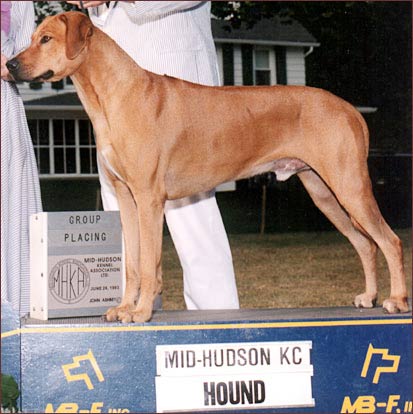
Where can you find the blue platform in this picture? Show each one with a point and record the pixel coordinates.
(290, 361)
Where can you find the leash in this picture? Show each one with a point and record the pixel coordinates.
(82, 7)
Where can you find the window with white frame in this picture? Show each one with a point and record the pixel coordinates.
(264, 66)
(64, 147)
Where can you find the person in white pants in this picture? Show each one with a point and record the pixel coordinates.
(174, 38)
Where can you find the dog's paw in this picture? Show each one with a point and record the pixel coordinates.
(365, 301)
(120, 313)
(127, 314)
(141, 315)
(396, 305)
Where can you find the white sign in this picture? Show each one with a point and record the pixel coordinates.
(242, 375)
(75, 263)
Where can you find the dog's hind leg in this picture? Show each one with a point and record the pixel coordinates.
(325, 200)
(350, 182)
(130, 227)
(357, 198)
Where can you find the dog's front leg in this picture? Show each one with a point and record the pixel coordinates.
(130, 226)
(150, 215)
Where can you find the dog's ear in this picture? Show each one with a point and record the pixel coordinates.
(78, 29)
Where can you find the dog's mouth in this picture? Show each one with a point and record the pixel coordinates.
(44, 77)
(20, 77)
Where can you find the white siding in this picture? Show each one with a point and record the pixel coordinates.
(295, 66)
(220, 58)
(237, 65)
(273, 67)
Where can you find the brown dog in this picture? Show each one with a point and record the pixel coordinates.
(162, 138)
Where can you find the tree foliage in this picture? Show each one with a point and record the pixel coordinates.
(9, 392)
(50, 8)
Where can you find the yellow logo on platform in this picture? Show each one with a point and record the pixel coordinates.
(83, 376)
(380, 369)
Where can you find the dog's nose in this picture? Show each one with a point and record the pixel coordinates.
(13, 65)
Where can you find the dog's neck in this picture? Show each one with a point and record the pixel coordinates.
(99, 90)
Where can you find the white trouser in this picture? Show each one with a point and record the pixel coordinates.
(201, 242)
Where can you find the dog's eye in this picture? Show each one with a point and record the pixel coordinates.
(45, 39)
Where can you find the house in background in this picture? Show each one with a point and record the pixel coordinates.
(272, 52)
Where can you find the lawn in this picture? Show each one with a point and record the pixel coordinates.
(302, 269)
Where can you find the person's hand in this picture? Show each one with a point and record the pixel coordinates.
(5, 75)
(86, 4)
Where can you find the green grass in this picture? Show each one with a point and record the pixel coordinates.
(290, 270)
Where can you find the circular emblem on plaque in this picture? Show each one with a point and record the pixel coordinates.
(69, 281)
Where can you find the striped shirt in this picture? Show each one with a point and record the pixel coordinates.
(20, 192)
(165, 37)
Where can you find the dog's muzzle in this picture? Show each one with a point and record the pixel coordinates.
(14, 67)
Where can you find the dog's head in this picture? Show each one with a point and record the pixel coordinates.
(58, 48)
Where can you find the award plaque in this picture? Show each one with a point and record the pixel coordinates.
(76, 263)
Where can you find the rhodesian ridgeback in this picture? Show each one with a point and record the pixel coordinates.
(161, 138)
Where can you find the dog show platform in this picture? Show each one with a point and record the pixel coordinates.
(331, 360)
